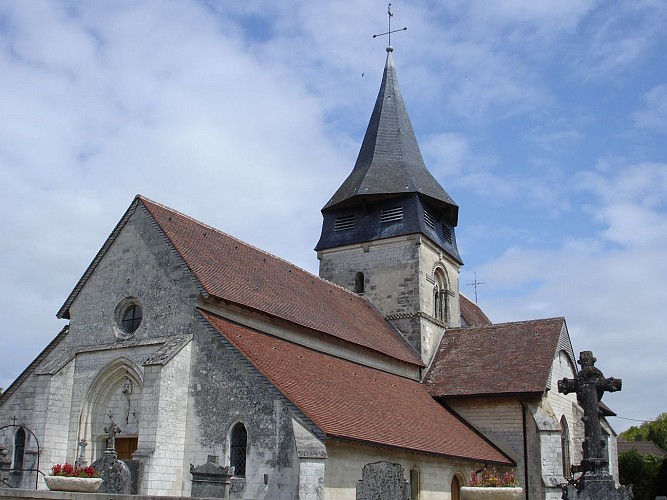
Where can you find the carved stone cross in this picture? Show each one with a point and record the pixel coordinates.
(112, 429)
(590, 385)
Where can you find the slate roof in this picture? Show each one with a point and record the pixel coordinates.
(390, 161)
(353, 402)
(231, 270)
(472, 313)
(500, 359)
(642, 447)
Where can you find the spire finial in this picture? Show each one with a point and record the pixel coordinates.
(389, 31)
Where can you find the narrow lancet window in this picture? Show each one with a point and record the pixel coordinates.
(359, 282)
(238, 449)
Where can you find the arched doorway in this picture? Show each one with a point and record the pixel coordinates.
(115, 393)
(456, 488)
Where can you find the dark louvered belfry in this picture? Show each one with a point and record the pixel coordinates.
(389, 179)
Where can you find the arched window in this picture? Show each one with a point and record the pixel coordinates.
(238, 449)
(440, 296)
(359, 282)
(19, 448)
(565, 447)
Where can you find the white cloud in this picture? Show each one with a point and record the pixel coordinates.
(654, 114)
(608, 286)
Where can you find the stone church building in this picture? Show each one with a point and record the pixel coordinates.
(198, 344)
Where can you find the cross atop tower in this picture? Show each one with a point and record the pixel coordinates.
(389, 31)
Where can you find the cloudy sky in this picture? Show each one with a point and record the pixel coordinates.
(546, 121)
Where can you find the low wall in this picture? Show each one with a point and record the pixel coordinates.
(63, 495)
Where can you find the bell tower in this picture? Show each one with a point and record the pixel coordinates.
(389, 230)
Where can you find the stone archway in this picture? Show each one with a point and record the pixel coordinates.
(116, 391)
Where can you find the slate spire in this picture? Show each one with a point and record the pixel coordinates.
(390, 162)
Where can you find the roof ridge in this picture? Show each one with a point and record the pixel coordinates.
(494, 325)
(244, 243)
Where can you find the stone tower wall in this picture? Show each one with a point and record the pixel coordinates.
(399, 281)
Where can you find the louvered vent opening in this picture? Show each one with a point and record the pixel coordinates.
(447, 233)
(428, 218)
(344, 223)
(391, 214)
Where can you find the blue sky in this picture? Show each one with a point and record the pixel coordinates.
(545, 121)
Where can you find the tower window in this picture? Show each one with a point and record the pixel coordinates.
(440, 296)
(344, 222)
(447, 233)
(359, 282)
(428, 219)
(238, 449)
(391, 214)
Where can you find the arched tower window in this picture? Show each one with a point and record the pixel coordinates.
(565, 447)
(19, 448)
(238, 448)
(440, 296)
(359, 282)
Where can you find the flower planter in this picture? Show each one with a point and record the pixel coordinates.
(78, 484)
(483, 493)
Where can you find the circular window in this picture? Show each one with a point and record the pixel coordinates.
(131, 318)
(128, 317)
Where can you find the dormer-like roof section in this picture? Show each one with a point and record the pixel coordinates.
(501, 359)
(390, 162)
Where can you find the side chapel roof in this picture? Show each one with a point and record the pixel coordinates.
(390, 161)
(501, 359)
(471, 313)
(348, 401)
(231, 270)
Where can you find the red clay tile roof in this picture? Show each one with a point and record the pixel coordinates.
(353, 402)
(472, 313)
(234, 271)
(507, 358)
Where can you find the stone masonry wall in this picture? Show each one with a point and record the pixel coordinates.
(499, 419)
(399, 281)
(225, 390)
(346, 461)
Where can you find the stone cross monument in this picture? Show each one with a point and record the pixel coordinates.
(595, 481)
(112, 429)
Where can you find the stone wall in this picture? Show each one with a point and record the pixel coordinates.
(399, 281)
(500, 420)
(346, 461)
(226, 389)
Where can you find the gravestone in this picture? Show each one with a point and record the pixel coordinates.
(595, 481)
(115, 473)
(211, 479)
(383, 480)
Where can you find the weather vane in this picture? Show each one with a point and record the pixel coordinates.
(389, 31)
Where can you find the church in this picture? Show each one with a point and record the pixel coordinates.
(197, 344)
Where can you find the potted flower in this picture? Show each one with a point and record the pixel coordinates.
(66, 477)
(492, 485)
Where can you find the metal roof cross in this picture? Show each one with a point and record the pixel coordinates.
(389, 31)
(475, 283)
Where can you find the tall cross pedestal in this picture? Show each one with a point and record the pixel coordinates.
(595, 482)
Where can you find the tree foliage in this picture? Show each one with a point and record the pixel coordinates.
(641, 471)
(655, 431)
